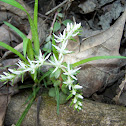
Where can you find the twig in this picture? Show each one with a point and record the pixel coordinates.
(60, 5)
(38, 109)
(52, 25)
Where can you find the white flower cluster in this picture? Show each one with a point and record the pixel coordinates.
(31, 67)
(74, 88)
(70, 31)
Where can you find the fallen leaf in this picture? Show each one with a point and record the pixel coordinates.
(7, 36)
(96, 75)
(4, 100)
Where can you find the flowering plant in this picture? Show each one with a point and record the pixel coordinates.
(61, 74)
(69, 74)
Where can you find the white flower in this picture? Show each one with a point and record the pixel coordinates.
(40, 59)
(69, 82)
(62, 49)
(21, 65)
(79, 108)
(32, 66)
(79, 96)
(61, 37)
(7, 76)
(73, 91)
(57, 63)
(70, 31)
(76, 106)
(16, 71)
(71, 72)
(79, 103)
(74, 100)
(77, 87)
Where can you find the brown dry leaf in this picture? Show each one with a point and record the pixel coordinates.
(6, 92)
(42, 28)
(97, 74)
(7, 36)
(4, 100)
(121, 88)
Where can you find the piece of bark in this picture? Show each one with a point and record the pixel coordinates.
(93, 113)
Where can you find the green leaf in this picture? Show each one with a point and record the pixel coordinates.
(34, 35)
(64, 89)
(57, 83)
(22, 35)
(96, 58)
(52, 92)
(25, 112)
(25, 43)
(27, 109)
(57, 73)
(45, 75)
(14, 3)
(30, 52)
(47, 47)
(53, 48)
(57, 98)
(60, 15)
(32, 25)
(36, 14)
(25, 86)
(56, 27)
(62, 99)
(67, 21)
(64, 77)
(70, 96)
(13, 50)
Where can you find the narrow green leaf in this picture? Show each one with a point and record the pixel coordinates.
(53, 48)
(22, 35)
(57, 97)
(34, 35)
(45, 75)
(36, 14)
(29, 48)
(96, 58)
(70, 96)
(26, 110)
(14, 3)
(13, 50)
(25, 43)
(32, 25)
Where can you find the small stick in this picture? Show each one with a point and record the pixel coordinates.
(38, 109)
(60, 5)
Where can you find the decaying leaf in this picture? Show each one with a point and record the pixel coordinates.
(121, 87)
(7, 36)
(98, 74)
(4, 100)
